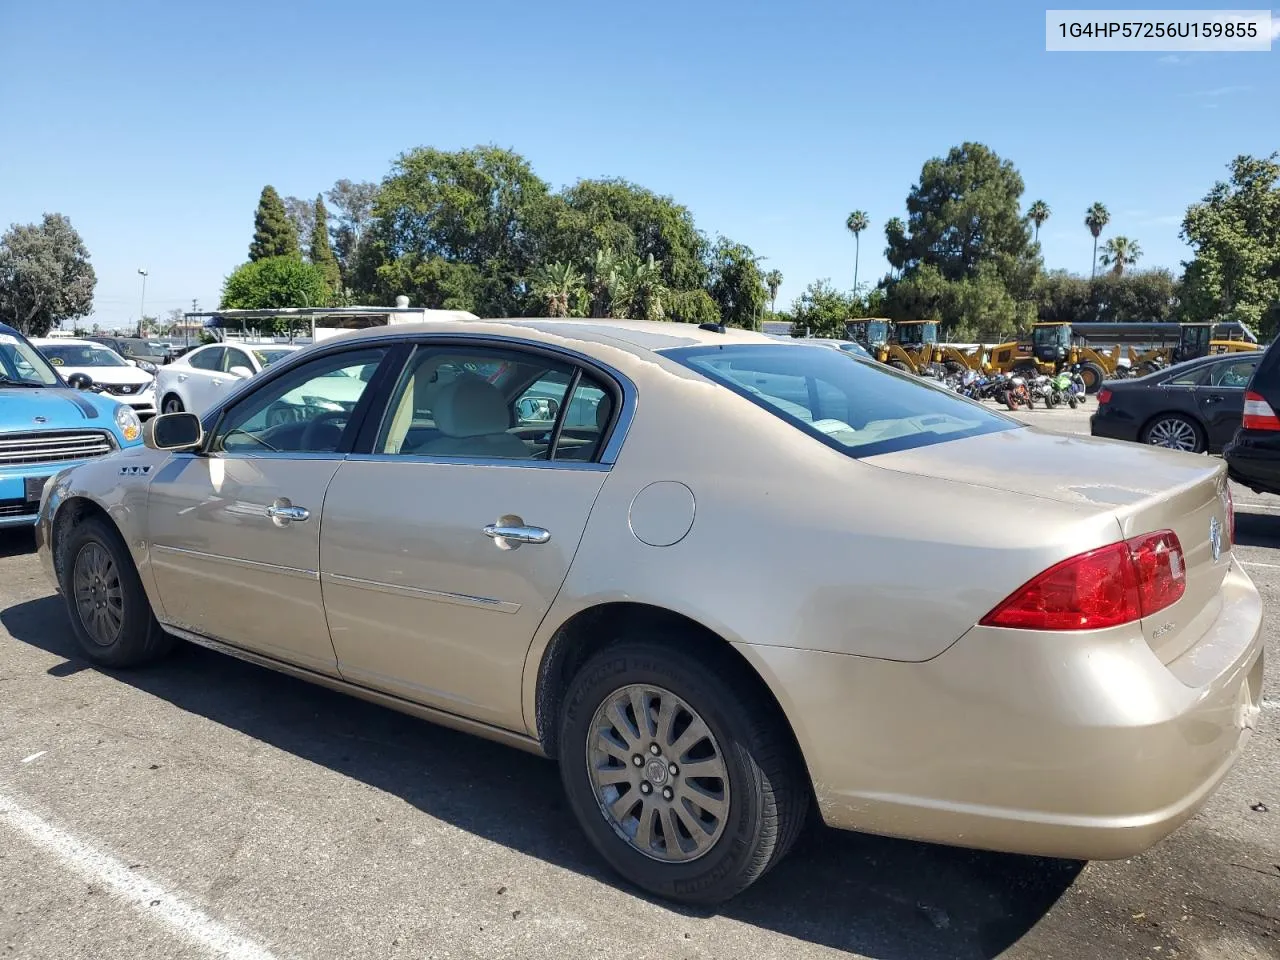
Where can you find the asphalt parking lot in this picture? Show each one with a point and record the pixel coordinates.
(206, 807)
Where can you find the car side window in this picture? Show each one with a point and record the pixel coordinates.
(488, 403)
(210, 359)
(234, 357)
(308, 410)
(1235, 374)
(1188, 379)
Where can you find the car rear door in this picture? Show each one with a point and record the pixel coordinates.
(1221, 397)
(444, 545)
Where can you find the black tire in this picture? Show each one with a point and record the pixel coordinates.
(954, 368)
(1092, 375)
(139, 638)
(768, 791)
(172, 403)
(1161, 429)
(899, 365)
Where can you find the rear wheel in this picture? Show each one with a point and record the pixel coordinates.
(110, 614)
(1092, 375)
(172, 404)
(1176, 432)
(899, 365)
(681, 776)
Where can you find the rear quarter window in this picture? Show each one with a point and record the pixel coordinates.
(856, 406)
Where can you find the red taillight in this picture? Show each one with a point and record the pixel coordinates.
(1104, 396)
(1258, 414)
(1106, 587)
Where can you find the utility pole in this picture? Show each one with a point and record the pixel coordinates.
(142, 309)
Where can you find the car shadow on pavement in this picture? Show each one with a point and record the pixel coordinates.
(887, 899)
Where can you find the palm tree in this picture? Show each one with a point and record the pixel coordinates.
(558, 286)
(1118, 253)
(855, 224)
(603, 275)
(773, 280)
(1095, 218)
(638, 290)
(895, 235)
(1038, 213)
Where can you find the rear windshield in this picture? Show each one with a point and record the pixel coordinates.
(856, 406)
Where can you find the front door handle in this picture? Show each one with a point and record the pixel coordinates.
(182, 378)
(283, 512)
(509, 532)
(217, 383)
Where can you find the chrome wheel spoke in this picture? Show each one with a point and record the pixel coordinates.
(667, 808)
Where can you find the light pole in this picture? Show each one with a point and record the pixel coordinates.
(142, 308)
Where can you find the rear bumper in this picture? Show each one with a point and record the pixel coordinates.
(1084, 747)
(1254, 460)
(1113, 424)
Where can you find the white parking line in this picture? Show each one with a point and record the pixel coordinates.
(34, 756)
(1259, 563)
(147, 897)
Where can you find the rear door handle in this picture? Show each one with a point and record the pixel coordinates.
(1214, 398)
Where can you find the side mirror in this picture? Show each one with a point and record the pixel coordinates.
(244, 373)
(81, 381)
(173, 432)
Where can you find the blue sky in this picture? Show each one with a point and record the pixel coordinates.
(155, 125)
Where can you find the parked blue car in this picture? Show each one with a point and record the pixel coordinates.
(47, 424)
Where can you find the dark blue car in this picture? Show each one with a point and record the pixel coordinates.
(47, 424)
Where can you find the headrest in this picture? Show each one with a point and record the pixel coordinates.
(603, 411)
(470, 407)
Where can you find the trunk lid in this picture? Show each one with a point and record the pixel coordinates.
(1144, 488)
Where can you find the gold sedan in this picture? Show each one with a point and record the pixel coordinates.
(726, 582)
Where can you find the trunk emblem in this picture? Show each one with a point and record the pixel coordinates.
(39, 419)
(1215, 538)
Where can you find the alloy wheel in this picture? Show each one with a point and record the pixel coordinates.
(98, 594)
(658, 774)
(1174, 433)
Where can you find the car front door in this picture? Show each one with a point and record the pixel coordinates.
(235, 529)
(197, 377)
(1221, 398)
(443, 547)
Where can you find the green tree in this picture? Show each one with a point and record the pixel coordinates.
(1235, 233)
(976, 307)
(773, 280)
(603, 276)
(318, 250)
(353, 204)
(1146, 296)
(736, 286)
(964, 213)
(1120, 252)
(1038, 213)
(895, 235)
(559, 288)
(483, 209)
(638, 289)
(301, 214)
(274, 282)
(632, 222)
(45, 275)
(273, 232)
(1095, 218)
(822, 310)
(693, 306)
(855, 224)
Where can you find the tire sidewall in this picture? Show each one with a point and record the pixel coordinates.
(626, 664)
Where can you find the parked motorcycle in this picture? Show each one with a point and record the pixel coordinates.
(1016, 394)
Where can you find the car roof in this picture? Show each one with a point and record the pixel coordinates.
(5, 328)
(639, 336)
(59, 341)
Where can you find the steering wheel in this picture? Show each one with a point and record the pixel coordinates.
(324, 420)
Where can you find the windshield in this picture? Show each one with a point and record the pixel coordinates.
(81, 355)
(20, 362)
(860, 408)
(149, 348)
(268, 357)
(1055, 336)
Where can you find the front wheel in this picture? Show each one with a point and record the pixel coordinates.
(110, 614)
(681, 776)
(172, 404)
(1091, 375)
